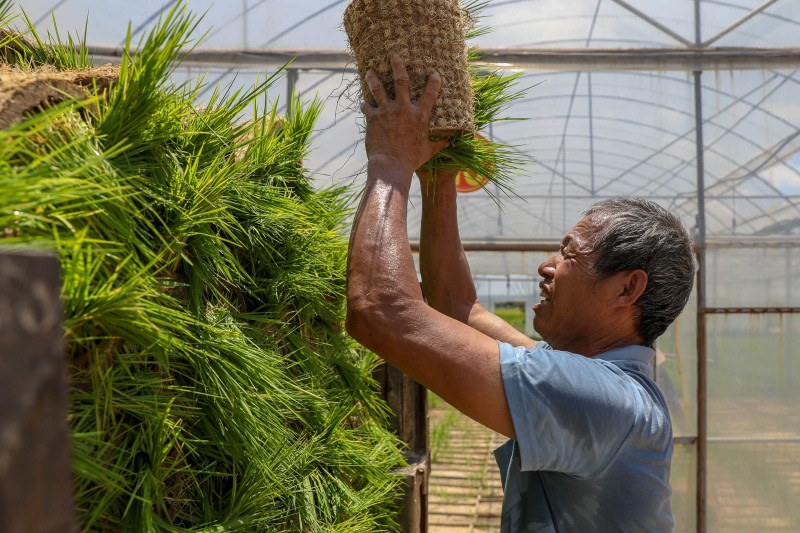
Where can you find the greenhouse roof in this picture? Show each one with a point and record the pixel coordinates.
(617, 91)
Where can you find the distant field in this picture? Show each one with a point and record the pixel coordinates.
(513, 313)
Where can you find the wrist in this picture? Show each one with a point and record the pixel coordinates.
(389, 162)
(438, 189)
(389, 169)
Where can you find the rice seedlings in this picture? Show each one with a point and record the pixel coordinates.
(212, 387)
(494, 93)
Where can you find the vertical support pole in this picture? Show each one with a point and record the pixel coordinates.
(35, 474)
(591, 129)
(700, 238)
(702, 397)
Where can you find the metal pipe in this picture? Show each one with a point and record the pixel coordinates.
(591, 132)
(751, 310)
(700, 250)
(782, 241)
(653, 22)
(245, 9)
(656, 197)
(504, 246)
(738, 23)
(754, 440)
(571, 59)
(533, 245)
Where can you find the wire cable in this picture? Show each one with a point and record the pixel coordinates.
(49, 12)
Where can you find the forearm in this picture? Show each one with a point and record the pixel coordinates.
(380, 273)
(446, 276)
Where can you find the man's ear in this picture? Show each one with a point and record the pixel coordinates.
(631, 286)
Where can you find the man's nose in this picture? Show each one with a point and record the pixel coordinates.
(548, 267)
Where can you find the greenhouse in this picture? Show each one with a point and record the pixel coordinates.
(693, 104)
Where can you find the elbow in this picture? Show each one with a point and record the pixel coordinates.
(355, 322)
(363, 321)
(377, 322)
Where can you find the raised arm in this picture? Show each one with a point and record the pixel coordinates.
(446, 277)
(386, 312)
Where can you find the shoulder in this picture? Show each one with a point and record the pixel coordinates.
(543, 363)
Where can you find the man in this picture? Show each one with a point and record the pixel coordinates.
(591, 440)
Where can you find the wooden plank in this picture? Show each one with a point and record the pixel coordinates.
(35, 478)
(413, 514)
(408, 401)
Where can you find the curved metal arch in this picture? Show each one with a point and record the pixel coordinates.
(616, 168)
(678, 194)
(556, 229)
(634, 43)
(480, 200)
(612, 139)
(241, 14)
(762, 13)
(727, 130)
(352, 146)
(296, 25)
(684, 81)
(730, 183)
(609, 153)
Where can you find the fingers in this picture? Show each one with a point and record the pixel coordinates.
(376, 88)
(402, 84)
(431, 92)
(367, 109)
(441, 144)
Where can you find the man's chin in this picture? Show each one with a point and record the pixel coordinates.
(540, 328)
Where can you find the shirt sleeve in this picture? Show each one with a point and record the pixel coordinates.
(571, 413)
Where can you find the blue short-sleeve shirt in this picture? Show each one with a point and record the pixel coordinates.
(594, 442)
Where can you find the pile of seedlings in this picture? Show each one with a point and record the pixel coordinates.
(212, 387)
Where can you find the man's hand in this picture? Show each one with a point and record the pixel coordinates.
(398, 130)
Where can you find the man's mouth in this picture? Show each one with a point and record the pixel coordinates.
(544, 300)
(544, 294)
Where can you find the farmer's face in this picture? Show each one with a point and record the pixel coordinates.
(573, 309)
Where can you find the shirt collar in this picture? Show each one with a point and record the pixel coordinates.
(633, 352)
(642, 354)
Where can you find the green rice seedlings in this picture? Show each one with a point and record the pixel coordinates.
(212, 388)
(494, 92)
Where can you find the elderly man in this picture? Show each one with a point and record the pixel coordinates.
(591, 440)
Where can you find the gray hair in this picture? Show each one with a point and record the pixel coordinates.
(638, 234)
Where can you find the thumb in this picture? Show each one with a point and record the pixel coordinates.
(441, 144)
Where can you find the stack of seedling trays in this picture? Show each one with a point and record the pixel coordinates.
(212, 387)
